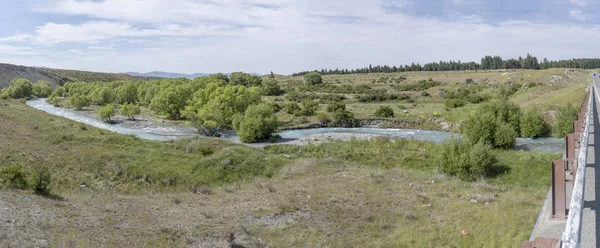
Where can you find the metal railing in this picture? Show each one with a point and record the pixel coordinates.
(574, 165)
(572, 236)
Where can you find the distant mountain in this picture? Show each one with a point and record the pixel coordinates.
(173, 74)
(162, 74)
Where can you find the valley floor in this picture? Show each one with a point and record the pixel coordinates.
(119, 191)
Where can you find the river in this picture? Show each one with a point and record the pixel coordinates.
(163, 132)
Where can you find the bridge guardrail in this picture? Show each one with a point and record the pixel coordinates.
(572, 165)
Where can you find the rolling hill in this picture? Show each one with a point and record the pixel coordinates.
(57, 77)
(9, 72)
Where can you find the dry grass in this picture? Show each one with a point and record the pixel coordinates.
(316, 204)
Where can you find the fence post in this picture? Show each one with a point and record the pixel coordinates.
(559, 199)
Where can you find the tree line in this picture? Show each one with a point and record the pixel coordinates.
(487, 63)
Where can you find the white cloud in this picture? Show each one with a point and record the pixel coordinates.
(580, 3)
(17, 50)
(232, 35)
(577, 14)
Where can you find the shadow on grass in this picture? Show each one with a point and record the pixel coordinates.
(54, 197)
(499, 170)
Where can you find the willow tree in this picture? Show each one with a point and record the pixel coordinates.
(214, 106)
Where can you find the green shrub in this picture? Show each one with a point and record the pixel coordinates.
(102, 95)
(40, 180)
(276, 107)
(418, 86)
(313, 78)
(479, 127)
(106, 112)
(60, 91)
(130, 110)
(505, 111)
(20, 88)
(466, 161)
(343, 118)
(510, 90)
(532, 124)
(505, 136)
(271, 87)
(206, 151)
(4, 94)
(495, 123)
(323, 118)
(42, 89)
(78, 101)
(335, 106)
(292, 108)
(564, 120)
(54, 100)
(478, 98)
(12, 176)
(258, 123)
(127, 93)
(382, 97)
(454, 103)
(309, 108)
(245, 79)
(385, 112)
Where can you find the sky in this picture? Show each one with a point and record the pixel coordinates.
(286, 36)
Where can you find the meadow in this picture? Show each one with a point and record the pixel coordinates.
(543, 90)
(110, 189)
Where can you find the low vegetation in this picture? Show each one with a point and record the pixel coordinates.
(385, 112)
(38, 179)
(465, 160)
(332, 194)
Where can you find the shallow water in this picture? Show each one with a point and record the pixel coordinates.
(288, 136)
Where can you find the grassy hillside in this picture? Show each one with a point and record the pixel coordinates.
(116, 189)
(88, 76)
(541, 89)
(9, 72)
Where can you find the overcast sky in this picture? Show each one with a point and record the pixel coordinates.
(287, 36)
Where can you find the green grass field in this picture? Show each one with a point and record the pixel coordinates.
(116, 189)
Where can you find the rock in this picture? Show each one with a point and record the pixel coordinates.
(473, 201)
(411, 184)
(405, 111)
(227, 162)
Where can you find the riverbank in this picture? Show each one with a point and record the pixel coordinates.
(148, 129)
